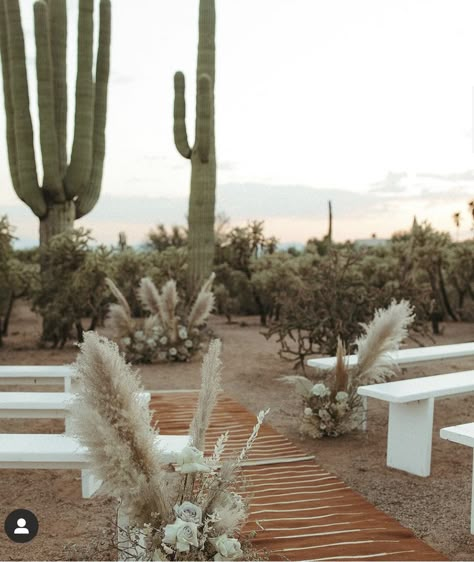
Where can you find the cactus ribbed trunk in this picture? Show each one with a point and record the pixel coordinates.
(60, 218)
(202, 198)
(68, 192)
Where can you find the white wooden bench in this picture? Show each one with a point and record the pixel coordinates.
(34, 405)
(37, 375)
(410, 422)
(463, 434)
(57, 451)
(406, 356)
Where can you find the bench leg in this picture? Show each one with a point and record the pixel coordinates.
(364, 413)
(410, 431)
(90, 483)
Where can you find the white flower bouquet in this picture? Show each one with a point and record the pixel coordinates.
(188, 511)
(332, 407)
(162, 336)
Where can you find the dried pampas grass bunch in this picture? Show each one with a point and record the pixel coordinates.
(332, 406)
(188, 512)
(164, 335)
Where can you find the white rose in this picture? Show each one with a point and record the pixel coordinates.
(183, 333)
(341, 396)
(164, 340)
(162, 355)
(172, 351)
(192, 460)
(188, 343)
(150, 342)
(126, 341)
(320, 390)
(308, 412)
(139, 347)
(139, 335)
(189, 512)
(227, 549)
(182, 534)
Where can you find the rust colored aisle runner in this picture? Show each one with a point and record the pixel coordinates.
(299, 510)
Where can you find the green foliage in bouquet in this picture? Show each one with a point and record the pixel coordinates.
(193, 511)
(331, 405)
(169, 332)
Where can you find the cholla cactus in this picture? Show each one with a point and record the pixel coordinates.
(162, 336)
(69, 191)
(332, 406)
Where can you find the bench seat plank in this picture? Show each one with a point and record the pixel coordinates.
(421, 388)
(410, 356)
(51, 451)
(35, 374)
(462, 434)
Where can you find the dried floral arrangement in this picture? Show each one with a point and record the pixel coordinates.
(163, 335)
(332, 406)
(191, 511)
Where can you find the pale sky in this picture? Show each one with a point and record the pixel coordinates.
(367, 102)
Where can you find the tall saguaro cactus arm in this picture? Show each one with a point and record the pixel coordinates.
(44, 71)
(179, 128)
(89, 195)
(203, 117)
(81, 156)
(29, 190)
(58, 37)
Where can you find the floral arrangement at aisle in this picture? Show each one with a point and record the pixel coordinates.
(189, 512)
(332, 406)
(163, 335)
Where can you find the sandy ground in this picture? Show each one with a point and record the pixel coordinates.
(437, 508)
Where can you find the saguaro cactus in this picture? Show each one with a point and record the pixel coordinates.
(68, 191)
(203, 154)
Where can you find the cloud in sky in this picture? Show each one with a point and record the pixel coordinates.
(314, 101)
(292, 213)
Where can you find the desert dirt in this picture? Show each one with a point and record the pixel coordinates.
(436, 509)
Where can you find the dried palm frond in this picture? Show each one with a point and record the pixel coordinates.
(302, 385)
(203, 305)
(111, 420)
(382, 335)
(120, 321)
(169, 299)
(118, 295)
(341, 375)
(150, 299)
(210, 387)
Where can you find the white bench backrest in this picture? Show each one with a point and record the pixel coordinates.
(421, 388)
(407, 356)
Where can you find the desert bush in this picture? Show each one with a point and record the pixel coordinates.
(331, 405)
(72, 285)
(160, 239)
(326, 296)
(170, 332)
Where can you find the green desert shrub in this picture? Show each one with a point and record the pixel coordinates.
(326, 297)
(72, 285)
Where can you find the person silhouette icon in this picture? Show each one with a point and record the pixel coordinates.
(21, 527)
